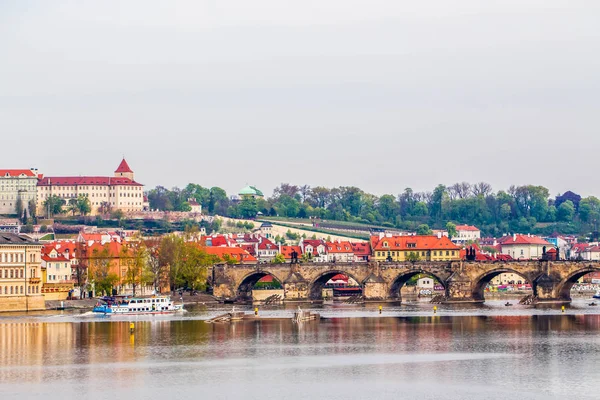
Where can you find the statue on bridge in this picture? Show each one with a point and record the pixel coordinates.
(471, 254)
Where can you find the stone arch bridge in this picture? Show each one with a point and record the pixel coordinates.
(464, 281)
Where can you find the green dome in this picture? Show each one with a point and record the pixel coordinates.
(250, 191)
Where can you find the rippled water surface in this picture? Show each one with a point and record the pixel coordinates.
(469, 352)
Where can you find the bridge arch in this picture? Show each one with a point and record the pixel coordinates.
(244, 288)
(400, 281)
(564, 287)
(479, 284)
(315, 288)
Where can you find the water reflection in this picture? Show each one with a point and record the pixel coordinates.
(540, 356)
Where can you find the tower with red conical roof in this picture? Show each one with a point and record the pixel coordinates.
(124, 171)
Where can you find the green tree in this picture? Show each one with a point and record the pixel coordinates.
(413, 256)
(247, 208)
(589, 210)
(135, 256)
(424, 229)
(32, 207)
(100, 273)
(566, 211)
(20, 211)
(278, 259)
(187, 261)
(437, 200)
(451, 228)
(53, 205)
(72, 206)
(156, 269)
(84, 205)
(387, 207)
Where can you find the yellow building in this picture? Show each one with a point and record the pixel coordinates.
(414, 248)
(20, 273)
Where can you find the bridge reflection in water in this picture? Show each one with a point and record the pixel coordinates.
(454, 353)
(551, 281)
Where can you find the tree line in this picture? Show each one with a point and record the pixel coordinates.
(171, 260)
(526, 208)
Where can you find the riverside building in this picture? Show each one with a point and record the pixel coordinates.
(20, 273)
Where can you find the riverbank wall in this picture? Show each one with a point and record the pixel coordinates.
(22, 303)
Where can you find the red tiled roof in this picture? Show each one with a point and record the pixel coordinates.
(592, 249)
(86, 180)
(341, 247)
(114, 249)
(287, 251)
(339, 277)
(266, 244)
(249, 248)
(54, 259)
(16, 172)
(123, 167)
(219, 241)
(361, 249)
(313, 242)
(415, 242)
(234, 252)
(466, 228)
(522, 239)
(579, 246)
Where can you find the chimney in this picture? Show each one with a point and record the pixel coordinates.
(514, 237)
(381, 235)
(439, 235)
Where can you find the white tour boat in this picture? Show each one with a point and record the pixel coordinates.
(139, 305)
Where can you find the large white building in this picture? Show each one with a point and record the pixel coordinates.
(15, 185)
(118, 192)
(524, 247)
(466, 233)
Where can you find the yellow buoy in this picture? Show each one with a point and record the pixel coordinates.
(562, 309)
(434, 309)
(380, 309)
(131, 327)
(256, 311)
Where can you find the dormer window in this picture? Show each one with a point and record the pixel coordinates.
(385, 244)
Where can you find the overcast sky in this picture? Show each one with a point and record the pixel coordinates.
(381, 95)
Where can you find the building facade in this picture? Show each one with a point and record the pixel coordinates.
(119, 192)
(414, 248)
(20, 274)
(15, 185)
(466, 233)
(524, 247)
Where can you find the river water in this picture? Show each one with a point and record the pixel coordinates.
(468, 352)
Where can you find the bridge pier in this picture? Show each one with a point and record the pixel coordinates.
(295, 291)
(375, 288)
(460, 290)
